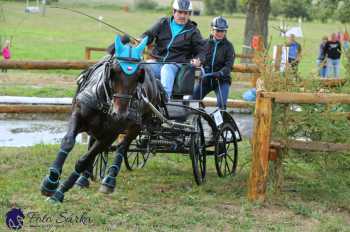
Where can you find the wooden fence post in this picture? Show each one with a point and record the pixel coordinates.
(261, 148)
(87, 53)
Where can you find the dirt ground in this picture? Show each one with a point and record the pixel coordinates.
(36, 79)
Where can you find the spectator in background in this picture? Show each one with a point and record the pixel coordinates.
(346, 40)
(6, 54)
(332, 51)
(294, 54)
(321, 60)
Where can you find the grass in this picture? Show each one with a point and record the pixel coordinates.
(164, 197)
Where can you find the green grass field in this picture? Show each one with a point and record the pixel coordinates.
(164, 197)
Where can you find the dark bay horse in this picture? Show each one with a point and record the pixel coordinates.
(100, 108)
(154, 91)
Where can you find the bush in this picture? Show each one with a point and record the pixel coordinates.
(343, 12)
(218, 7)
(146, 4)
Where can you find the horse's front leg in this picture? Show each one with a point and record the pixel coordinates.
(109, 181)
(51, 182)
(81, 165)
(83, 181)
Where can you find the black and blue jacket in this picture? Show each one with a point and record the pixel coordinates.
(220, 57)
(186, 45)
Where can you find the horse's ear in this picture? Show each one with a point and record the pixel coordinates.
(118, 45)
(142, 44)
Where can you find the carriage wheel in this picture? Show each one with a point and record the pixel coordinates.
(100, 166)
(136, 159)
(226, 151)
(197, 152)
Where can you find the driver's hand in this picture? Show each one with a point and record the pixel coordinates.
(196, 62)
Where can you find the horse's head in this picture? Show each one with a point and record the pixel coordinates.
(126, 73)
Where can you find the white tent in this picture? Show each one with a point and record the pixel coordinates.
(297, 31)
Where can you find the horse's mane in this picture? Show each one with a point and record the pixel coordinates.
(92, 81)
(152, 87)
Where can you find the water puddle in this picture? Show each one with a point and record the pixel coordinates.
(17, 133)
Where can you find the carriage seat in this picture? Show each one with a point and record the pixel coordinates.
(184, 82)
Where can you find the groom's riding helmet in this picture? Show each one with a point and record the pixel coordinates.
(219, 23)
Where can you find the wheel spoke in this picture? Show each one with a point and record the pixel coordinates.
(226, 166)
(230, 158)
(138, 159)
(133, 162)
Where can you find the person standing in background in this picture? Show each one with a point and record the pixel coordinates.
(6, 54)
(332, 51)
(294, 54)
(321, 60)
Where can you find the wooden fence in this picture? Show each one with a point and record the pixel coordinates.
(264, 149)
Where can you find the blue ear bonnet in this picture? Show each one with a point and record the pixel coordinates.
(128, 56)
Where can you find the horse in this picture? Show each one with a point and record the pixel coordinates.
(153, 90)
(100, 107)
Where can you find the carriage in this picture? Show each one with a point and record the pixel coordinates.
(182, 126)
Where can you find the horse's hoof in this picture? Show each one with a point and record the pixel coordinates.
(48, 186)
(57, 197)
(107, 185)
(82, 182)
(105, 189)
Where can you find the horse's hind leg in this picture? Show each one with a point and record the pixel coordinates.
(108, 183)
(51, 182)
(80, 166)
(83, 181)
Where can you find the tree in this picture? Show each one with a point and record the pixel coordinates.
(219, 6)
(256, 21)
(209, 7)
(343, 13)
(230, 6)
(296, 8)
(291, 8)
(324, 9)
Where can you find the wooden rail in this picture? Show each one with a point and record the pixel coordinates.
(45, 65)
(83, 64)
(311, 145)
(307, 98)
(88, 51)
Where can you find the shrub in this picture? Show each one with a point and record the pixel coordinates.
(146, 4)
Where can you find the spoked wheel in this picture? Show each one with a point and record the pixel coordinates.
(100, 166)
(137, 159)
(226, 151)
(197, 151)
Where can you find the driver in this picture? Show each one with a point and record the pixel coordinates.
(177, 40)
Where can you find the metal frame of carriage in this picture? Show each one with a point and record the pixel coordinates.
(180, 128)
